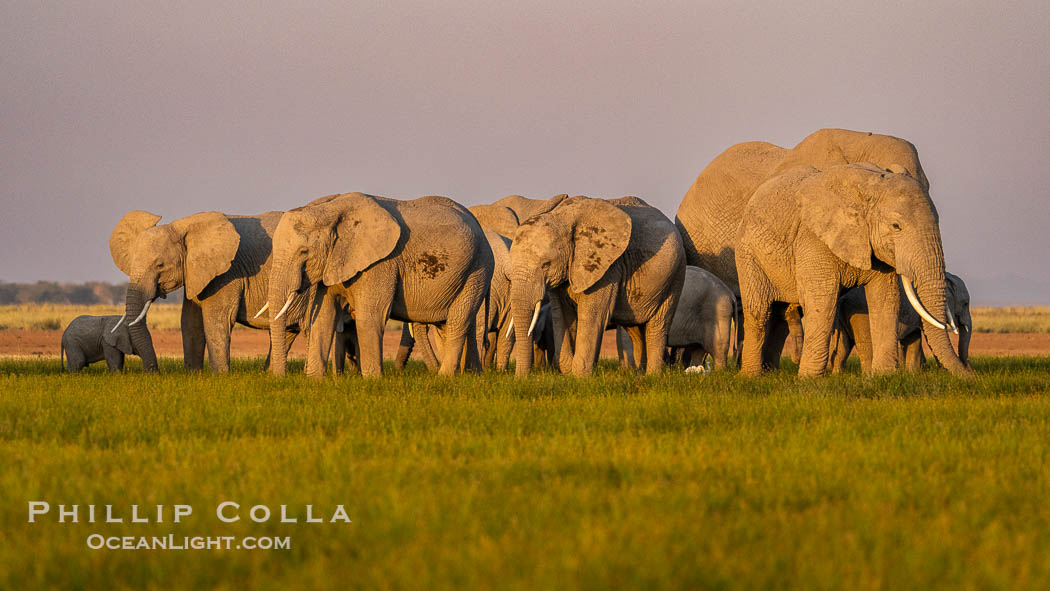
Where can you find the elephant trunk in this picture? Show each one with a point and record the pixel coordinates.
(930, 290)
(134, 303)
(525, 299)
(279, 294)
(965, 331)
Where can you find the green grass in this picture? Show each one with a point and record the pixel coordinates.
(1011, 319)
(847, 482)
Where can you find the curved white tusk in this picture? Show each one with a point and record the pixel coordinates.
(411, 332)
(261, 310)
(285, 308)
(951, 320)
(510, 328)
(535, 317)
(909, 290)
(142, 314)
(119, 322)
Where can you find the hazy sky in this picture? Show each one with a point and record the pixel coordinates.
(243, 108)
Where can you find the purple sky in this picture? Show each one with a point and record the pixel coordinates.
(108, 107)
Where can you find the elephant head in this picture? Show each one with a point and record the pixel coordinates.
(328, 241)
(574, 243)
(867, 217)
(959, 297)
(189, 252)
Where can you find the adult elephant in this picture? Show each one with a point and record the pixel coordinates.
(424, 260)
(604, 262)
(493, 340)
(853, 329)
(223, 261)
(711, 211)
(807, 234)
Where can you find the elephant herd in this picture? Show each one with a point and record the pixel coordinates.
(834, 242)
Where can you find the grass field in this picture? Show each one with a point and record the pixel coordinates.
(847, 482)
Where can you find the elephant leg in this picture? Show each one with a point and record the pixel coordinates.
(491, 344)
(114, 358)
(621, 348)
(593, 316)
(217, 334)
(911, 349)
(192, 324)
(564, 317)
(504, 345)
(861, 329)
(75, 359)
(638, 344)
(319, 340)
(370, 340)
(821, 301)
(426, 348)
(404, 349)
(339, 354)
(883, 296)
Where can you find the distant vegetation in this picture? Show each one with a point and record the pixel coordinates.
(51, 292)
(1011, 319)
(162, 316)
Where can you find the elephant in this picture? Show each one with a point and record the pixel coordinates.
(223, 261)
(853, 330)
(617, 261)
(807, 234)
(703, 324)
(424, 260)
(88, 339)
(494, 341)
(710, 214)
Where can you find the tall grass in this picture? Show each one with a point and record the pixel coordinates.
(907, 481)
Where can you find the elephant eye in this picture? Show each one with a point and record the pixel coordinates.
(896, 227)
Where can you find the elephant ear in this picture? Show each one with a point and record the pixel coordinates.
(120, 339)
(548, 205)
(124, 235)
(833, 206)
(497, 218)
(211, 243)
(364, 234)
(600, 235)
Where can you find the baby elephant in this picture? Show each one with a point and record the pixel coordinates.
(88, 339)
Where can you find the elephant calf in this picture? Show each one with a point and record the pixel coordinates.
(88, 339)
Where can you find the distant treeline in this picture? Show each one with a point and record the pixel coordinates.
(51, 292)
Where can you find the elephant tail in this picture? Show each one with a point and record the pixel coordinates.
(734, 341)
(62, 357)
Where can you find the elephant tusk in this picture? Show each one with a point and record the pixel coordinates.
(510, 328)
(261, 310)
(411, 332)
(951, 320)
(119, 322)
(535, 317)
(909, 290)
(142, 314)
(285, 308)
